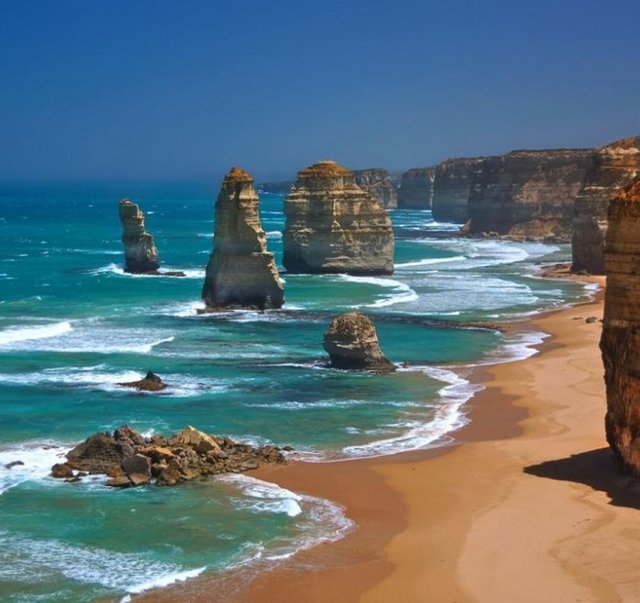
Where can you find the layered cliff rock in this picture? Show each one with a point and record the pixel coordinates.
(453, 179)
(614, 166)
(416, 188)
(241, 272)
(377, 182)
(528, 194)
(352, 343)
(140, 253)
(620, 343)
(333, 226)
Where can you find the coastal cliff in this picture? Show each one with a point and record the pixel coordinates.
(333, 226)
(620, 343)
(614, 166)
(416, 188)
(377, 182)
(241, 272)
(453, 179)
(528, 194)
(140, 253)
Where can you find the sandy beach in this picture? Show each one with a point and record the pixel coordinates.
(528, 504)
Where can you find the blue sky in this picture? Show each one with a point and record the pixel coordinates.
(183, 90)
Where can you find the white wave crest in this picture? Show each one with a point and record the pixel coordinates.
(401, 292)
(14, 334)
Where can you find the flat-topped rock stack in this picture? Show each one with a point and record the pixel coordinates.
(620, 343)
(452, 182)
(614, 166)
(333, 226)
(140, 253)
(377, 182)
(241, 272)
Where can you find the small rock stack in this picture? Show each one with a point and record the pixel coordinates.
(140, 253)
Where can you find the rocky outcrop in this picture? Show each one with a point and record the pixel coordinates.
(528, 194)
(333, 226)
(452, 184)
(416, 188)
(150, 383)
(140, 253)
(352, 343)
(620, 342)
(614, 166)
(131, 459)
(241, 272)
(377, 182)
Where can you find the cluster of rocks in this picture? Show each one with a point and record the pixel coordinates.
(149, 383)
(333, 226)
(131, 459)
(620, 342)
(241, 272)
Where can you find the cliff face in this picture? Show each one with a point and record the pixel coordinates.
(140, 253)
(620, 343)
(377, 182)
(528, 194)
(452, 184)
(416, 188)
(240, 271)
(332, 225)
(614, 166)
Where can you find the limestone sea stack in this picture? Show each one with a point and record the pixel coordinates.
(241, 272)
(614, 167)
(620, 342)
(352, 343)
(416, 188)
(140, 253)
(333, 226)
(528, 194)
(377, 182)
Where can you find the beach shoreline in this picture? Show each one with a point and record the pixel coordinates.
(437, 524)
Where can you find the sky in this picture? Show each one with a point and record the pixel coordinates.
(182, 90)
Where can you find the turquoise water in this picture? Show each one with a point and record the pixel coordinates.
(73, 325)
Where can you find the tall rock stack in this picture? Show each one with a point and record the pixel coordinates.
(614, 167)
(140, 253)
(334, 226)
(528, 194)
(377, 182)
(241, 272)
(620, 343)
(416, 188)
(452, 184)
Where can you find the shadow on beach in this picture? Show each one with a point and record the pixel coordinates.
(597, 469)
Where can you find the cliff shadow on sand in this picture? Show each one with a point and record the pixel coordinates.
(598, 469)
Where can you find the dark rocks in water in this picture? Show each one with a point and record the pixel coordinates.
(333, 226)
(13, 464)
(140, 253)
(241, 273)
(352, 343)
(150, 383)
(131, 459)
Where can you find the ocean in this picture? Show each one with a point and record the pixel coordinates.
(73, 325)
